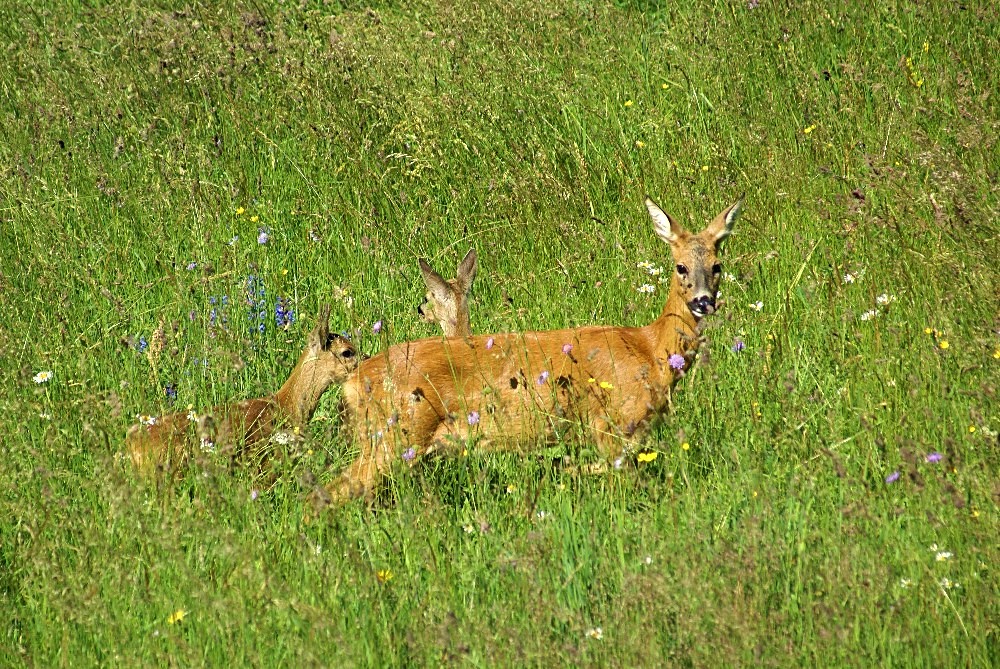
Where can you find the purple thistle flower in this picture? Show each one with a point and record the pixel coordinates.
(191, 266)
(473, 417)
(542, 378)
(893, 477)
(738, 345)
(489, 343)
(409, 454)
(263, 237)
(934, 457)
(676, 361)
(567, 348)
(377, 327)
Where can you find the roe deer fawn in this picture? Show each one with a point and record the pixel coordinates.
(447, 301)
(512, 390)
(328, 358)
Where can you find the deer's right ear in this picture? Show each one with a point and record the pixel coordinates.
(665, 227)
(467, 271)
(320, 336)
(434, 281)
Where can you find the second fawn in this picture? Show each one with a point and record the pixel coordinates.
(516, 390)
(447, 301)
(328, 359)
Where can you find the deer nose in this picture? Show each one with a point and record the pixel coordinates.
(704, 304)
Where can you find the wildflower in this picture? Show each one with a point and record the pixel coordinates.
(647, 456)
(283, 314)
(933, 547)
(934, 457)
(996, 354)
(664, 86)
(177, 616)
(281, 437)
(648, 560)
(567, 348)
(757, 306)
(704, 168)
(729, 277)
(947, 584)
(870, 314)
(686, 446)
(738, 345)
(489, 343)
(171, 392)
(146, 419)
(542, 378)
(595, 633)
(942, 556)
(753, 4)
(254, 218)
(253, 495)
(232, 242)
(905, 583)
(972, 429)
(619, 462)
(391, 420)
(893, 477)
(591, 380)
(628, 103)
(142, 345)
(645, 264)
(943, 344)
(884, 299)
(313, 236)
(469, 528)
(377, 327)
(409, 454)
(263, 237)
(191, 415)
(676, 361)
(511, 488)
(542, 515)
(384, 575)
(239, 211)
(606, 385)
(473, 417)
(646, 288)
(45, 415)
(191, 266)
(849, 278)
(806, 131)
(639, 144)
(926, 47)
(42, 377)
(207, 445)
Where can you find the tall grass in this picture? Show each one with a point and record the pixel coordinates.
(148, 150)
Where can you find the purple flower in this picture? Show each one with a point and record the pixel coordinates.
(753, 4)
(489, 343)
(473, 417)
(567, 348)
(676, 361)
(738, 345)
(893, 477)
(377, 327)
(934, 457)
(542, 378)
(263, 237)
(193, 315)
(253, 495)
(171, 392)
(283, 314)
(192, 265)
(409, 454)
(142, 345)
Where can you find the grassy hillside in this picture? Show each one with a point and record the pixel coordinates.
(828, 495)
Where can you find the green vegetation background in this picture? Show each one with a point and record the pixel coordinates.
(145, 148)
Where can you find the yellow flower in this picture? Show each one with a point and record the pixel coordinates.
(606, 385)
(591, 380)
(928, 331)
(808, 130)
(972, 429)
(996, 354)
(176, 617)
(664, 86)
(254, 219)
(943, 344)
(284, 272)
(704, 168)
(648, 456)
(465, 452)
(239, 211)
(975, 513)
(927, 47)
(754, 493)
(628, 103)
(639, 144)
(686, 446)
(384, 575)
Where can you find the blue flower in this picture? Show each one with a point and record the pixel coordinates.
(142, 345)
(263, 237)
(283, 314)
(171, 391)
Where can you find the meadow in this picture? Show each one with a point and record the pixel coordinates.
(183, 184)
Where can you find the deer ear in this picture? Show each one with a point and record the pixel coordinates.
(467, 271)
(319, 337)
(722, 225)
(434, 281)
(666, 228)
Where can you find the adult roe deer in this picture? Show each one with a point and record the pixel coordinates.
(511, 390)
(328, 358)
(447, 301)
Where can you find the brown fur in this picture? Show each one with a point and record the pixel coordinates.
(327, 359)
(529, 387)
(447, 301)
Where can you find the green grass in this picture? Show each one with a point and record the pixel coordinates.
(866, 141)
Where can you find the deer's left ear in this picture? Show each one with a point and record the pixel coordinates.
(722, 225)
(467, 271)
(319, 337)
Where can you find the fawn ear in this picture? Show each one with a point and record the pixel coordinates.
(320, 336)
(722, 225)
(434, 281)
(666, 228)
(467, 271)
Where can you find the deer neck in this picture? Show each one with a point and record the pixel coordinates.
(675, 331)
(299, 395)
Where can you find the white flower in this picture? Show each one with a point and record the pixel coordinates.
(646, 288)
(729, 277)
(757, 306)
(45, 415)
(619, 462)
(648, 560)
(192, 416)
(542, 515)
(884, 299)
(42, 377)
(947, 584)
(207, 445)
(870, 314)
(282, 438)
(595, 633)
(145, 419)
(469, 529)
(933, 547)
(941, 556)
(849, 278)
(905, 583)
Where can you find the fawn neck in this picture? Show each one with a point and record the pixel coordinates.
(675, 331)
(299, 395)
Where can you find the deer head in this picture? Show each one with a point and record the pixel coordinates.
(696, 265)
(447, 301)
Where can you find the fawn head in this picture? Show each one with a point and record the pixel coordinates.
(329, 357)
(696, 265)
(447, 301)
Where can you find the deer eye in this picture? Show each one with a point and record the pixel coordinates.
(716, 268)
(348, 353)
(682, 270)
